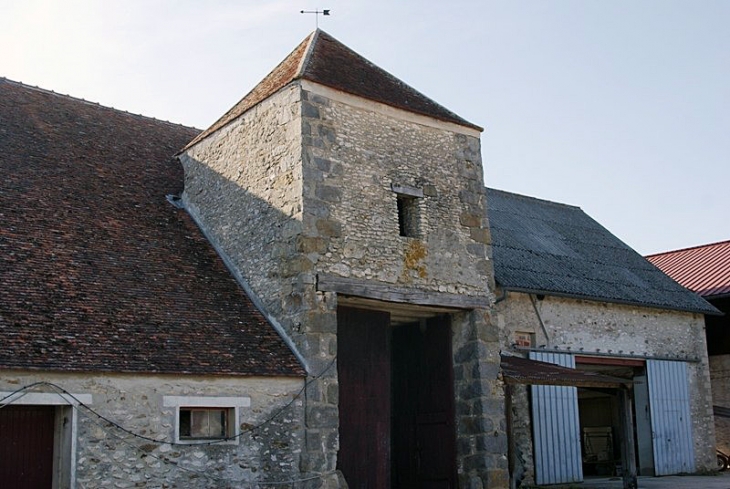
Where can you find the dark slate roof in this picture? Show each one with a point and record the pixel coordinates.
(556, 249)
(98, 271)
(323, 59)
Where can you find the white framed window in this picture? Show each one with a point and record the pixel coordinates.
(200, 419)
(206, 423)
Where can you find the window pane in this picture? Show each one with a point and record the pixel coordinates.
(203, 423)
(216, 423)
(184, 423)
(199, 424)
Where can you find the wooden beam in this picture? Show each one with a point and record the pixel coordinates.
(612, 361)
(628, 457)
(390, 293)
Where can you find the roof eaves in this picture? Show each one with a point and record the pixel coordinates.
(710, 310)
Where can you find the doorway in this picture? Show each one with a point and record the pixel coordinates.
(26, 450)
(396, 401)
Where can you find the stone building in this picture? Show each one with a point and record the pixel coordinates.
(705, 270)
(130, 357)
(571, 293)
(353, 207)
(304, 296)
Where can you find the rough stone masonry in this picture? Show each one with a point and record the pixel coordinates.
(306, 184)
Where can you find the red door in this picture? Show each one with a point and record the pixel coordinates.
(26, 447)
(363, 368)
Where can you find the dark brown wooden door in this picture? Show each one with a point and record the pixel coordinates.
(26, 447)
(363, 368)
(423, 438)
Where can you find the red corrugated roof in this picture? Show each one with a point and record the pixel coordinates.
(703, 269)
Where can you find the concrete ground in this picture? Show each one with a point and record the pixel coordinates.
(720, 481)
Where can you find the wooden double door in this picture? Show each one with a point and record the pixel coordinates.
(396, 402)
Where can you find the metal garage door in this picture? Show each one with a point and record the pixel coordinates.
(556, 429)
(671, 423)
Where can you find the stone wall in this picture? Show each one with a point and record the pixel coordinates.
(289, 199)
(481, 434)
(106, 456)
(244, 184)
(576, 326)
(720, 375)
(354, 156)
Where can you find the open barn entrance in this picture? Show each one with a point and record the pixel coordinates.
(396, 404)
(600, 420)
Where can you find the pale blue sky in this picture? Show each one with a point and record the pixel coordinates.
(621, 107)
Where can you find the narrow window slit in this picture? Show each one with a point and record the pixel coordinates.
(407, 216)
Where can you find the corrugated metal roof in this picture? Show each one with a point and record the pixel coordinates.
(703, 269)
(555, 249)
(518, 370)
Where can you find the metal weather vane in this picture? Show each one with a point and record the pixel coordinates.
(316, 13)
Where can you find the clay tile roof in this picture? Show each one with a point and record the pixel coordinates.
(549, 248)
(322, 59)
(703, 269)
(98, 271)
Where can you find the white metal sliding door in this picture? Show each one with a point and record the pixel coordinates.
(671, 423)
(556, 428)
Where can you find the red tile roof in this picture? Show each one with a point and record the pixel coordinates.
(323, 59)
(703, 269)
(98, 271)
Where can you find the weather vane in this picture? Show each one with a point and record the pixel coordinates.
(316, 13)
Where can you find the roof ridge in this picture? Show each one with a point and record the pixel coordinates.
(313, 37)
(413, 101)
(538, 199)
(689, 248)
(89, 102)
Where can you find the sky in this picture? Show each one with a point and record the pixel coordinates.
(620, 107)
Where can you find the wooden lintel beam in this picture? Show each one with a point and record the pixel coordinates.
(612, 361)
(390, 293)
(593, 385)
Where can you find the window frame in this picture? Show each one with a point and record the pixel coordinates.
(408, 208)
(231, 405)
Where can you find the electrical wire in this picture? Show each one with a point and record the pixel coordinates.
(88, 411)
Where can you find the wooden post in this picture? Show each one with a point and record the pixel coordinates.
(510, 435)
(628, 457)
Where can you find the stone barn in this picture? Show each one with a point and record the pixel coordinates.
(571, 293)
(130, 357)
(705, 270)
(303, 295)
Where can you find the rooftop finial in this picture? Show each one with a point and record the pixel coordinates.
(316, 13)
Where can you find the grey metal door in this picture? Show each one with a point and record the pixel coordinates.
(671, 423)
(556, 428)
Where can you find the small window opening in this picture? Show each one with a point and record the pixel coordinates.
(204, 423)
(408, 216)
